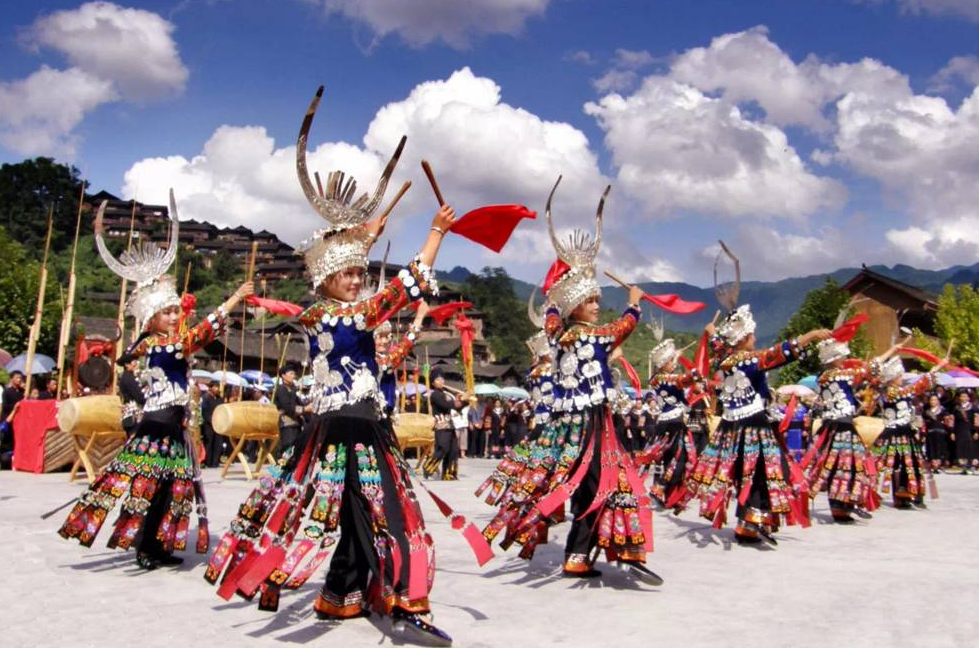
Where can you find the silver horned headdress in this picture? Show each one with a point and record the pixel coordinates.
(146, 266)
(739, 322)
(538, 343)
(344, 243)
(579, 283)
(892, 369)
(662, 354)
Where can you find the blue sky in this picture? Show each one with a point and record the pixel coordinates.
(808, 134)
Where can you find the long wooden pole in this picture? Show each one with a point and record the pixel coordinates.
(244, 317)
(261, 343)
(70, 307)
(35, 331)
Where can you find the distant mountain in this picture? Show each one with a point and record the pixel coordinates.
(772, 302)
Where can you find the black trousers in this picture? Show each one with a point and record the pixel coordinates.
(146, 541)
(583, 535)
(213, 443)
(288, 438)
(355, 558)
(446, 449)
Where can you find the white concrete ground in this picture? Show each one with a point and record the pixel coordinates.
(905, 578)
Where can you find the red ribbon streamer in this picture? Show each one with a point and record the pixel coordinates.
(630, 371)
(491, 226)
(468, 334)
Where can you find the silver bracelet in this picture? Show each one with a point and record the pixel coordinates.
(438, 229)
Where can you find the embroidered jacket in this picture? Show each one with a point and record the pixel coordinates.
(388, 364)
(541, 381)
(670, 390)
(745, 391)
(583, 378)
(341, 340)
(837, 391)
(165, 374)
(899, 401)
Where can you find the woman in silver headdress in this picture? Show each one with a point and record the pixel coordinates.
(839, 462)
(346, 488)
(608, 501)
(523, 476)
(157, 466)
(672, 451)
(746, 455)
(900, 459)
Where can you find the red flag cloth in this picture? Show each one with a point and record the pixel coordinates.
(491, 226)
(468, 334)
(688, 365)
(673, 304)
(444, 311)
(276, 306)
(848, 330)
(557, 270)
(787, 419)
(630, 371)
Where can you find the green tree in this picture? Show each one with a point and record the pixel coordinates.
(27, 190)
(291, 290)
(819, 309)
(957, 320)
(506, 326)
(226, 266)
(18, 299)
(641, 341)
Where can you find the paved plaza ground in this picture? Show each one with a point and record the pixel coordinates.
(905, 578)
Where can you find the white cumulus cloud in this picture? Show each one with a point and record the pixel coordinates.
(963, 8)
(115, 54)
(678, 149)
(420, 22)
(483, 151)
(35, 120)
(132, 48)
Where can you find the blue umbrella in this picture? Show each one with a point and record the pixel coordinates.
(202, 374)
(811, 382)
(515, 393)
(255, 376)
(487, 390)
(42, 364)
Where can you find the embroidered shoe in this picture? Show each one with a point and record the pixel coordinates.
(412, 627)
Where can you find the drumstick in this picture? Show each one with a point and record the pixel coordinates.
(401, 192)
(622, 283)
(431, 179)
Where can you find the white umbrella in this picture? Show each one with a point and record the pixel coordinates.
(42, 364)
(200, 374)
(229, 378)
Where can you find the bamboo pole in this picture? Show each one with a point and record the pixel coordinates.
(35, 331)
(70, 307)
(261, 343)
(244, 317)
(428, 381)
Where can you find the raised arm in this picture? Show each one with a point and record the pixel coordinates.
(209, 328)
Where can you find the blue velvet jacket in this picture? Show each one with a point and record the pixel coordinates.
(341, 340)
(582, 377)
(165, 374)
